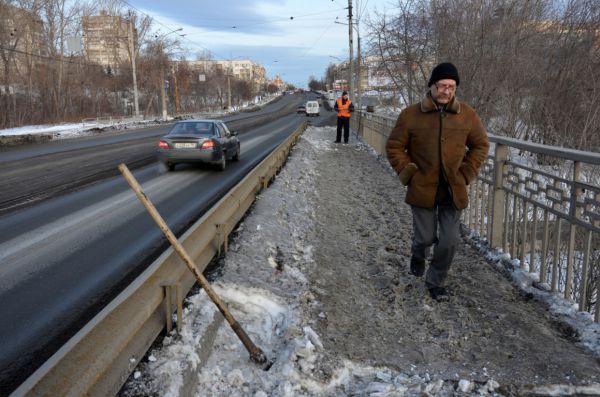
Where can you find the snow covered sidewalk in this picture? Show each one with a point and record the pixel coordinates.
(317, 276)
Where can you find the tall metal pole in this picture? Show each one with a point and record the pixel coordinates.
(359, 71)
(228, 91)
(162, 86)
(351, 45)
(176, 87)
(133, 55)
(162, 72)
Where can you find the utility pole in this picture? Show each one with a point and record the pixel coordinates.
(229, 89)
(162, 70)
(359, 71)
(163, 81)
(351, 45)
(133, 56)
(173, 71)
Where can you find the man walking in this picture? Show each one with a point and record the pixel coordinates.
(344, 107)
(437, 148)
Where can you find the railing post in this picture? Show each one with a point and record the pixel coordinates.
(574, 214)
(501, 155)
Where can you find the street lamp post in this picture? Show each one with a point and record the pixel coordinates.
(162, 74)
(133, 53)
(351, 47)
(229, 89)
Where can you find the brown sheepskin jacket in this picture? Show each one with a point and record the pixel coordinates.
(425, 139)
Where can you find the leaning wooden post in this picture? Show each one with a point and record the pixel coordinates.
(256, 354)
(500, 157)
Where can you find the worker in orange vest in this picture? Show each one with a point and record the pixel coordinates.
(344, 107)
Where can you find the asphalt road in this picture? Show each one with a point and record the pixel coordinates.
(41, 171)
(65, 257)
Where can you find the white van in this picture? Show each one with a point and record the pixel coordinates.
(312, 108)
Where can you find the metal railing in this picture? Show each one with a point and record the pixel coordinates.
(540, 204)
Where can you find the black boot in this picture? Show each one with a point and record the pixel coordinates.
(417, 267)
(440, 294)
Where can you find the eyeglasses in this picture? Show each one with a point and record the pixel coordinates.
(443, 87)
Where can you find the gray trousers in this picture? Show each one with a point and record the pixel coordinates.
(427, 222)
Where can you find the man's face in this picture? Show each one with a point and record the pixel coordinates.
(345, 96)
(443, 91)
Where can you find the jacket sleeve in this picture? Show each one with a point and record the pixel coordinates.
(396, 150)
(335, 107)
(351, 107)
(478, 146)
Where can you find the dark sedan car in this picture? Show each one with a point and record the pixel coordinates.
(199, 141)
(301, 109)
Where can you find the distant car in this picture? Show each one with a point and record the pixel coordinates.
(199, 141)
(312, 108)
(301, 109)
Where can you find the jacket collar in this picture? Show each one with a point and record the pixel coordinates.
(429, 105)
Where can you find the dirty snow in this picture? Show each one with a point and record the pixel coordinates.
(71, 130)
(316, 275)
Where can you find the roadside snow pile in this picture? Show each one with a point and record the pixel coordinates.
(43, 133)
(65, 129)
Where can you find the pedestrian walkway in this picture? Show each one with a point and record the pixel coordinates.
(318, 273)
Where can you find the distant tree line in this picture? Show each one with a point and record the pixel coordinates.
(42, 82)
(316, 84)
(530, 67)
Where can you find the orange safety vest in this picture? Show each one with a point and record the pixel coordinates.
(343, 110)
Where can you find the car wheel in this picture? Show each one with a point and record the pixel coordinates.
(222, 164)
(236, 157)
(166, 167)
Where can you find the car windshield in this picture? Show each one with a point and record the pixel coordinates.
(192, 128)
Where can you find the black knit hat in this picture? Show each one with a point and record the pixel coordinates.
(344, 93)
(442, 71)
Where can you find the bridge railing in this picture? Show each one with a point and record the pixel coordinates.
(540, 204)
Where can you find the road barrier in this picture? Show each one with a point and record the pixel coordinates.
(538, 203)
(101, 356)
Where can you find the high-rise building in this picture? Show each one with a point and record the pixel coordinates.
(22, 41)
(106, 39)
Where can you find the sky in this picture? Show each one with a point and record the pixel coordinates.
(290, 38)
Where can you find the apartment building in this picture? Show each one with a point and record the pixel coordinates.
(21, 41)
(106, 39)
(239, 69)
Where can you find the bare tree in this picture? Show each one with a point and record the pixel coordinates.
(401, 42)
(530, 67)
(330, 75)
(315, 84)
